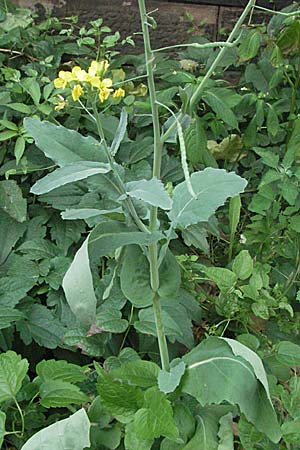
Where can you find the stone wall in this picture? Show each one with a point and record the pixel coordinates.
(173, 17)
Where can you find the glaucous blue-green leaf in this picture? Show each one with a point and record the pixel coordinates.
(225, 433)
(68, 174)
(2, 427)
(169, 276)
(168, 381)
(139, 373)
(121, 400)
(110, 320)
(78, 287)
(60, 370)
(206, 434)
(62, 145)
(288, 353)
(107, 237)
(120, 133)
(155, 418)
(150, 191)
(12, 373)
(135, 277)
(72, 433)
(212, 187)
(11, 200)
(58, 393)
(87, 213)
(224, 376)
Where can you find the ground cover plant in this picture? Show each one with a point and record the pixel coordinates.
(137, 311)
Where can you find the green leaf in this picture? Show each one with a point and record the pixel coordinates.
(291, 432)
(205, 437)
(250, 46)
(139, 373)
(20, 107)
(272, 121)
(2, 427)
(288, 353)
(110, 320)
(60, 370)
(155, 419)
(121, 400)
(68, 174)
(224, 278)
(110, 436)
(13, 370)
(19, 148)
(150, 191)
(168, 381)
(68, 434)
(234, 217)
(11, 200)
(14, 230)
(33, 89)
(135, 277)
(212, 187)
(196, 145)
(9, 315)
(243, 265)
(230, 378)
(62, 145)
(107, 237)
(7, 134)
(226, 433)
(169, 276)
(213, 98)
(87, 213)
(120, 133)
(58, 393)
(133, 442)
(78, 287)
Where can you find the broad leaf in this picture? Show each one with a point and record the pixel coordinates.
(214, 99)
(87, 213)
(11, 200)
(226, 433)
(68, 434)
(150, 191)
(288, 353)
(168, 381)
(205, 437)
(155, 419)
(169, 276)
(9, 315)
(250, 45)
(133, 442)
(243, 265)
(78, 287)
(12, 373)
(212, 187)
(230, 378)
(13, 231)
(62, 145)
(139, 373)
(58, 393)
(110, 320)
(68, 174)
(60, 370)
(225, 279)
(196, 145)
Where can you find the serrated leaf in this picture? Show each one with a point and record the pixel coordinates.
(110, 320)
(60, 370)
(9, 315)
(155, 419)
(196, 145)
(68, 434)
(58, 393)
(68, 174)
(139, 373)
(133, 442)
(12, 373)
(243, 265)
(212, 187)
(229, 378)
(168, 381)
(11, 200)
(119, 399)
(150, 191)
(62, 145)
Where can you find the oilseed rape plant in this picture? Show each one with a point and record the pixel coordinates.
(81, 81)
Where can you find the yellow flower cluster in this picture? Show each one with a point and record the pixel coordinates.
(78, 79)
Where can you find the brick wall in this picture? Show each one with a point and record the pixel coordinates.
(173, 23)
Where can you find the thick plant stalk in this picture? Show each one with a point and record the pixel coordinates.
(153, 250)
(199, 91)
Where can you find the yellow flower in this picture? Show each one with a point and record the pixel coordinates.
(119, 93)
(79, 74)
(141, 90)
(77, 92)
(98, 67)
(94, 81)
(61, 103)
(104, 93)
(106, 83)
(63, 79)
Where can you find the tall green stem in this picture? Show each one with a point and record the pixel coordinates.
(199, 91)
(153, 250)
